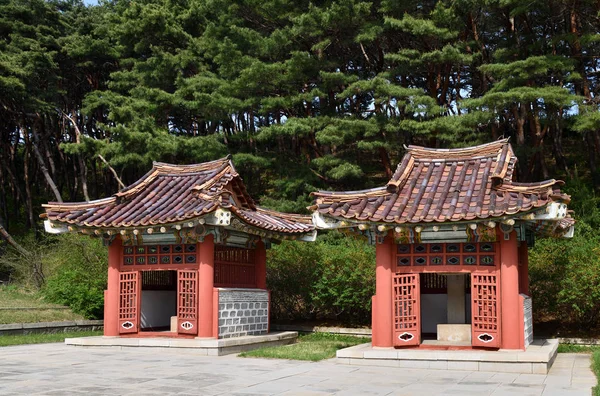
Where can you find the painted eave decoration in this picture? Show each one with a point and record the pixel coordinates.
(182, 199)
(451, 190)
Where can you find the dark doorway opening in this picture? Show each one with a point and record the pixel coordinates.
(445, 299)
(159, 300)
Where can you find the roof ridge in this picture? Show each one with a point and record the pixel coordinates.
(199, 166)
(349, 194)
(163, 168)
(499, 149)
(496, 143)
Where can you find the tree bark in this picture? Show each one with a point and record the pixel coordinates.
(82, 166)
(557, 148)
(30, 217)
(121, 185)
(44, 169)
(385, 159)
(8, 238)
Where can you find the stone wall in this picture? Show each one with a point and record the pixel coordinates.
(50, 327)
(528, 319)
(243, 312)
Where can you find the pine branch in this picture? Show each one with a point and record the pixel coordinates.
(121, 185)
(13, 243)
(45, 172)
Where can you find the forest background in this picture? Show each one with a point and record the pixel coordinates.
(305, 95)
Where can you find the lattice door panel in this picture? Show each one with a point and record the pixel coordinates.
(187, 301)
(485, 324)
(407, 309)
(129, 302)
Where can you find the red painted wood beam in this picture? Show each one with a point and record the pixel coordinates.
(111, 295)
(382, 310)
(509, 290)
(205, 287)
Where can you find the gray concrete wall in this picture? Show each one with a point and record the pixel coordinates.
(528, 318)
(157, 308)
(243, 312)
(434, 310)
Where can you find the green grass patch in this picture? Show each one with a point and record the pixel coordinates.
(594, 350)
(38, 310)
(44, 338)
(573, 348)
(596, 369)
(313, 347)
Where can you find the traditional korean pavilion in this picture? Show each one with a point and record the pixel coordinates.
(186, 251)
(451, 230)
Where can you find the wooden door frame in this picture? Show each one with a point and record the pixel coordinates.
(417, 259)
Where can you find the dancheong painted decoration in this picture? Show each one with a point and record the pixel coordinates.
(183, 241)
(451, 229)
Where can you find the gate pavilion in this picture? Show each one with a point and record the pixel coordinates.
(186, 250)
(451, 230)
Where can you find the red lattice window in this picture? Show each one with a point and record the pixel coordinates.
(435, 283)
(187, 302)
(485, 310)
(454, 256)
(234, 267)
(160, 256)
(407, 316)
(159, 280)
(128, 302)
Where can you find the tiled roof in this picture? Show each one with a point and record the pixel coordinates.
(171, 194)
(444, 185)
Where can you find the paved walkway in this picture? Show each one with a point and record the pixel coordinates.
(57, 369)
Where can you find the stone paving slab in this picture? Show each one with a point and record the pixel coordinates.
(204, 346)
(537, 359)
(57, 369)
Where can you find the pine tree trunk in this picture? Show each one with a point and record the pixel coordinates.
(82, 167)
(385, 159)
(592, 159)
(42, 165)
(28, 202)
(582, 88)
(557, 148)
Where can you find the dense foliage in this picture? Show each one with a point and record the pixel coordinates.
(565, 274)
(333, 278)
(305, 94)
(79, 277)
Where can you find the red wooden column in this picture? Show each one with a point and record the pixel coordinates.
(260, 258)
(382, 310)
(205, 287)
(111, 294)
(509, 291)
(523, 268)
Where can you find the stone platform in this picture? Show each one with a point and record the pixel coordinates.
(205, 346)
(537, 359)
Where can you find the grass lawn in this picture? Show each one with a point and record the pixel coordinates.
(313, 347)
(44, 338)
(13, 297)
(594, 350)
